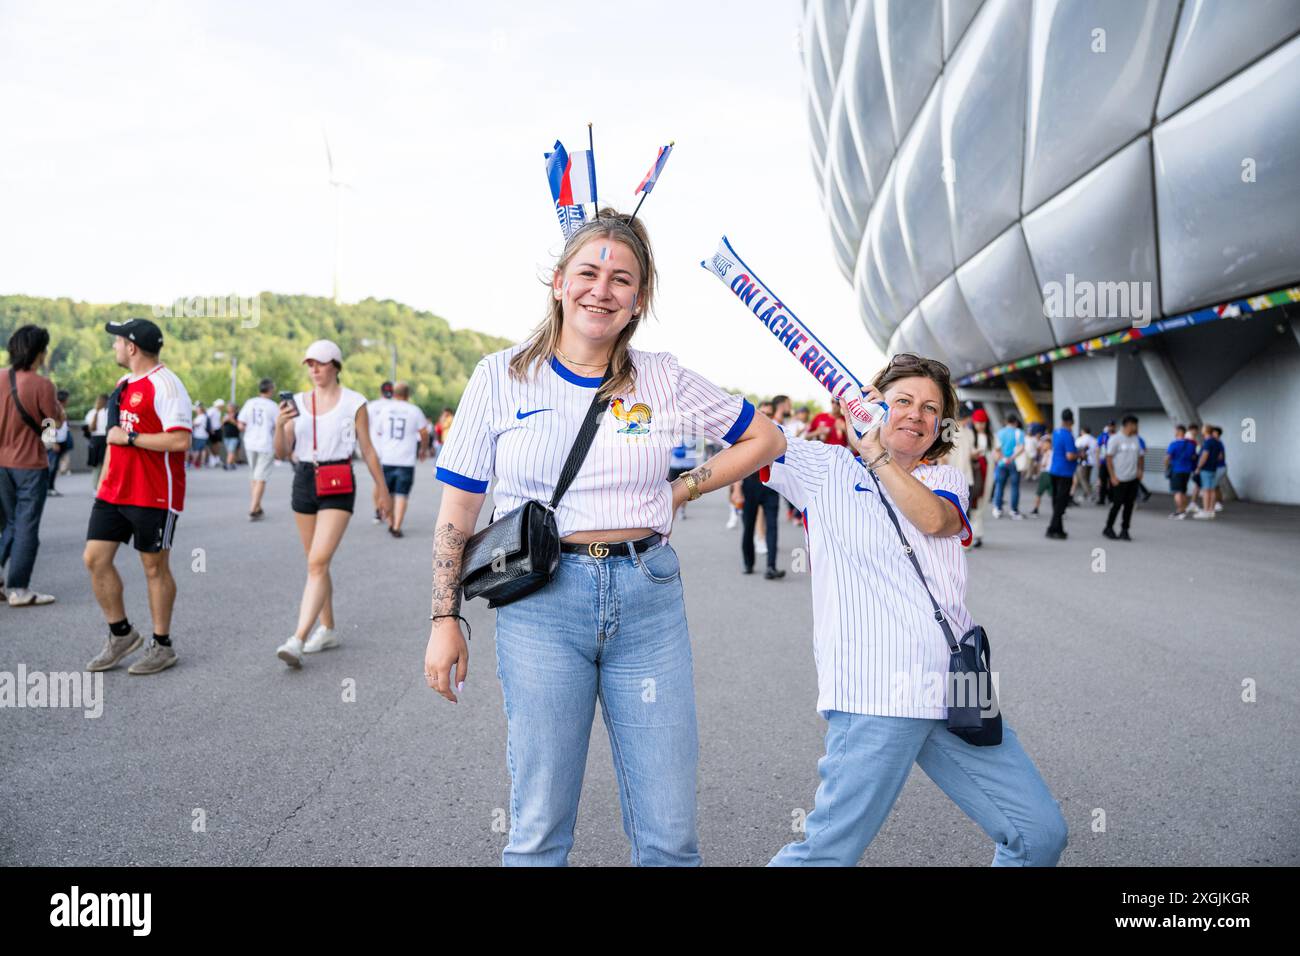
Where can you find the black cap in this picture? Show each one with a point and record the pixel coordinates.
(140, 331)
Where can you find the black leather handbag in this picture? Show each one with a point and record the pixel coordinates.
(518, 553)
(973, 712)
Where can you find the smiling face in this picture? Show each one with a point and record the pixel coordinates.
(915, 407)
(598, 289)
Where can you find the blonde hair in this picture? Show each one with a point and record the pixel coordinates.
(542, 343)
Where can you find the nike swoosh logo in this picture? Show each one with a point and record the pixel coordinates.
(860, 488)
(521, 414)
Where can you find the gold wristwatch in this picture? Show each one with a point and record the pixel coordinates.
(692, 486)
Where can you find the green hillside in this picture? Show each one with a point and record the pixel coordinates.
(433, 357)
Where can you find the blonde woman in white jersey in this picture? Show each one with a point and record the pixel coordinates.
(882, 658)
(611, 625)
(319, 427)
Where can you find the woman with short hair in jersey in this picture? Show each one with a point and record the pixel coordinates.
(882, 657)
(323, 426)
(611, 624)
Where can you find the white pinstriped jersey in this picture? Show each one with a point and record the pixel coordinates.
(877, 646)
(520, 432)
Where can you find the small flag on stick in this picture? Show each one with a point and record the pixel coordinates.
(572, 178)
(652, 176)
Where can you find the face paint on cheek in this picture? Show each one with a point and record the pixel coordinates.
(634, 301)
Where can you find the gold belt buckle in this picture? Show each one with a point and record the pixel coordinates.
(598, 549)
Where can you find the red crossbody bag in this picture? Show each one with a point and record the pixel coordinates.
(330, 479)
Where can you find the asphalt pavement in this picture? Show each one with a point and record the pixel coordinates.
(1123, 668)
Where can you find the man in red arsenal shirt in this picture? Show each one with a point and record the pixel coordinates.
(141, 493)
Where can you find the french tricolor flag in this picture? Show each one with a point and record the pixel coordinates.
(572, 176)
(661, 160)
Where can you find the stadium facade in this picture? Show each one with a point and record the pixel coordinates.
(1085, 204)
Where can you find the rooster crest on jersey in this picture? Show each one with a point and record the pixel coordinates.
(636, 419)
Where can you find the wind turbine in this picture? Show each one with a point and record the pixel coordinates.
(337, 185)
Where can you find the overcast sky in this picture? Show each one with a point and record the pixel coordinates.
(152, 150)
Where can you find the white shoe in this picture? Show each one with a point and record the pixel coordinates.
(997, 512)
(1218, 506)
(760, 548)
(732, 521)
(1017, 516)
(290, 652)
(321, 639)
(25, 597)
(1204, 516)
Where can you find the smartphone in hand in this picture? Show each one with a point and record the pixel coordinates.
(288, 397)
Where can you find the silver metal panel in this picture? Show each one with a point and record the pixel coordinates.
(1095, 60)
(1215, 38)
(867, 308)
(835, 17)
(957, 15)
(901, 341)
(865, 100)
(895, 270)
(961, 344)
(847, 170)
(1221, 235)
(1004, 299)
(922, 205)
(912, 55)
(1072, 240)
(888, 311)
(919, 337)
(981, 120)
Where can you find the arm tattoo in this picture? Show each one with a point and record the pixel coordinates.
(448, 548)
(702, 474)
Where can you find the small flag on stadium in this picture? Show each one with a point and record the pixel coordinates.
(648, 183)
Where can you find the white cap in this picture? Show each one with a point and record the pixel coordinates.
(323, 351)
(219, 403)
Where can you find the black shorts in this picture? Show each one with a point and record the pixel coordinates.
(152, 528)
(1178, 481)
(305, 499)
(399, 478)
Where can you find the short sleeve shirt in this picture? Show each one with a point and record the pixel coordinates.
(877, 646)
(259, 415)
(395, 428)
(519, 433)
(149, 404)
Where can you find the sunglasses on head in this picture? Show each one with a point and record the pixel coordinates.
(909, 360)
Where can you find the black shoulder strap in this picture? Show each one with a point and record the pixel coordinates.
(13, 392)
(582, 444)
(953, 645)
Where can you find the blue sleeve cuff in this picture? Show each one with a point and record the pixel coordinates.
(742, 422)
(463, 482)
(966, 536)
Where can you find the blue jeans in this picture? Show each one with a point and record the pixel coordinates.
(609, 629)
(867, 762)
(22, 499)
(1006, 473)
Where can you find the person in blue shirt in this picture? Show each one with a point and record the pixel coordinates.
(1010, 443)
(1180, 460)
(1210, 467)
(1065, 458)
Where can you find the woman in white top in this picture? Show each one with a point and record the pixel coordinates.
(881, 655)
(323, 427)
(198, 436)
(610, 626)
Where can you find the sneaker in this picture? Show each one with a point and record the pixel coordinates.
(760, 547)
(1179, 515)
(977, 543)
(53, 494)
(1123, 536)
(1059, 535)
(1017, 516)
(26, 597)
(1218, 506)
(290, 652)
(159, 657)
(746, 570)
(321, 639)
(997, 512)
(1204, 516)
(116, 648)
(772, 574)
(1110, 533)
(377, 519)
